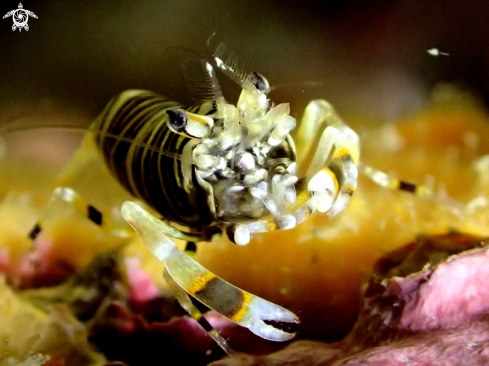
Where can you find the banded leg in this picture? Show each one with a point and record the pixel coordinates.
(328, 191)
(386, 181)
(190, 278)
(68, 196)
(84, 170)
(331, 172)
(313, 142)
(185, 302)
(327, 165)
(318, 116)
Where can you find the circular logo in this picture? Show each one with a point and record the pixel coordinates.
(20, 17)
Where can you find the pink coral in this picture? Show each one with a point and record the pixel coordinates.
(142, 287)
(438, 315)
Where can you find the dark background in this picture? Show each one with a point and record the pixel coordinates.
(370, 56)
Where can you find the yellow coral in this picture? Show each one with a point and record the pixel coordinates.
(27, 331)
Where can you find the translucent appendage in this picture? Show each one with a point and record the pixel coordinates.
(189, 277)
(186, 303)
(386, 181)
(239, 306)
(150, 229)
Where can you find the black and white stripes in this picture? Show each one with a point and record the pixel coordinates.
(146, 157)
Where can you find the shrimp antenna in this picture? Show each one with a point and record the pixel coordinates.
(230, 64)
(201, 80)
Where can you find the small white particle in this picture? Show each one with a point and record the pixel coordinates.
(436, 52)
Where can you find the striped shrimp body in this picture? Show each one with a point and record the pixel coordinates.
(135, 141)
(218, 167)
(232, 168)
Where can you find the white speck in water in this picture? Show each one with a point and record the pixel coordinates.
(436, 52)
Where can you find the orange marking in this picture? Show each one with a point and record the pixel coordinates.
(243, 310)
(272, 226)
(335, 180)
(200, 120)
(342, 153)
(200, 283)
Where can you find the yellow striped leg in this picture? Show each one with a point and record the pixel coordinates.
(319, 128)
(343, 169)
(186, 303)
(328, 191)
(337, 148)
(386, 181)
(68, 196)
(314, 142)
(239, 306)
(332, 178)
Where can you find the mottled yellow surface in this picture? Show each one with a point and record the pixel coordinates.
(26, 331)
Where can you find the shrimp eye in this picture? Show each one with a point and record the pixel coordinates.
(258, 81)
(176, 120)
